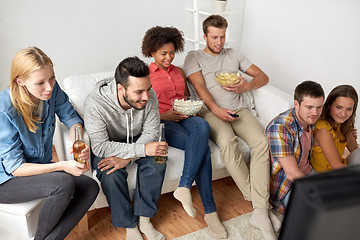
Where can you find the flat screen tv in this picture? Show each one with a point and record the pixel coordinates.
(324, 207)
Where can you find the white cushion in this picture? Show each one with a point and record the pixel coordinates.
(20, 208)
(79, 86)
(19, 220)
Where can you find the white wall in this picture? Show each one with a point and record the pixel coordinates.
(84, 36)
(295, 40)
(291, 40)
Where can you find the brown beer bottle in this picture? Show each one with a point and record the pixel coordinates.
(78, 145)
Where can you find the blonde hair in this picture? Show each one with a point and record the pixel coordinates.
(25, 62)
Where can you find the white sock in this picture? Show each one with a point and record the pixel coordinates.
(216, 228)
(276, 223)
(184, 196)
(148, 229)
(133, 234)
(260, 219)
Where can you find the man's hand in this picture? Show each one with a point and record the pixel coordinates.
(156, 149)
(112, 162)
(239, 87)
(224, 115)
(172, 115)
(354, 132)
(291, 168)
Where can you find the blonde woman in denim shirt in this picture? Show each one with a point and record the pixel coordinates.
(27, 116)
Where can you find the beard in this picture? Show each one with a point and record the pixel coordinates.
(213, 51)
(307, 120)
(131, 103)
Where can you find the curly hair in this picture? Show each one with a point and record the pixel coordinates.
(157, 36)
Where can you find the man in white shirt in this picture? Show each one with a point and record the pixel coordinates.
(229, 117)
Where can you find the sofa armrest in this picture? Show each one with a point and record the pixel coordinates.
(270, 102)
(59, 142)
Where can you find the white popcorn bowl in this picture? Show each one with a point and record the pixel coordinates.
(189, 106)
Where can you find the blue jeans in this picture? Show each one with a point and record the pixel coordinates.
(192, 135)
(149, 180)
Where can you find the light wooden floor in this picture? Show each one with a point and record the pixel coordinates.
(171, 219)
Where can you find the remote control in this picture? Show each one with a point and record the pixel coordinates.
(234, 115)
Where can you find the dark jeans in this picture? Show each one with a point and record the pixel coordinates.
(149, 180)
(192, 136)
(67, 199)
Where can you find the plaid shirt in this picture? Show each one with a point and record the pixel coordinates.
(284, 136)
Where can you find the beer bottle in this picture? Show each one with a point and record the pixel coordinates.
(78, 145)
(161, 159)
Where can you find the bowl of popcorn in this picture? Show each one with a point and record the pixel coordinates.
(225, 77)
(188, 105)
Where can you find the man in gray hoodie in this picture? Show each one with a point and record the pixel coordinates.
(122, 120)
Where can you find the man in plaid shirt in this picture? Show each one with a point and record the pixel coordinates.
(290, 141)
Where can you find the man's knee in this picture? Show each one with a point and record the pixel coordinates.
(113, 179)
(261, 144)
(226, 143)
(230, 153)
(151, 166)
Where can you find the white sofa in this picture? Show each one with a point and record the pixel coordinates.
(19, 220)
(269, 102)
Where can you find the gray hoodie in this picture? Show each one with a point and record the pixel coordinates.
(111, 128)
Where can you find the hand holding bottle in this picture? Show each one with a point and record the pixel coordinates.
(159, 158)
(80, 149)
(158, 149)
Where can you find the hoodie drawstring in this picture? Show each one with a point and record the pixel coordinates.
(131, 128)
(132, 124)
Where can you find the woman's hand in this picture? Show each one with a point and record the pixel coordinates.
(84, 156)
(172, 115)
(74, 168)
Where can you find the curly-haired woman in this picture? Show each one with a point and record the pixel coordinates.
(188, 133)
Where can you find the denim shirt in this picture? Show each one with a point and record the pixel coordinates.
(18, 144)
